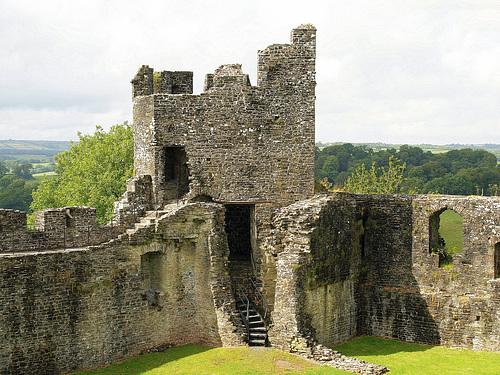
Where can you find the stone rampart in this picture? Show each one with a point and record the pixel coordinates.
(160, 284)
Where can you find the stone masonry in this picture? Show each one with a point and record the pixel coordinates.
(352, 265)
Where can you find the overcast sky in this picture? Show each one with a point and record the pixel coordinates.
(392, 71)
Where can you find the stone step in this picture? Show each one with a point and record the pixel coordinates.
(258, 329)
(258, 337)
(259, 323)
(257, 342)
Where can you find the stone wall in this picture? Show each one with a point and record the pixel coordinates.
(464, 300)
(318, 267)
(392, 305)
(69, 310)
(135, 202)
(353, 265)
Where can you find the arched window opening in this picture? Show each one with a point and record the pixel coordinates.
(497, 260)
(445, 236)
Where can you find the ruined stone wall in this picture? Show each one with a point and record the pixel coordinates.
(360, 265)
(318, 252)
(408, 296)
(69, 310)
(463, 300)
(318, 263)
(135, 202)
(332, 283)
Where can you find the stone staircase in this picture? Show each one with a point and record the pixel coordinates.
(256, 326)
(147, 223)
(245, 291)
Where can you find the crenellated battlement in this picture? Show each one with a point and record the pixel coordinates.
(148, 82)
(54, 228)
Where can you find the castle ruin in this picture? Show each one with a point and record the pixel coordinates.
(219, 240)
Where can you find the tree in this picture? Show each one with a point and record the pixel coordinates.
(3, 169)
(377, 180)
(15, 193)
(23, 171)
(330, 168)
(92, 173)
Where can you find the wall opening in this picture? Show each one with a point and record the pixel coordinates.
(176, 172)
(445, 235)
(497, 260)
(239, 231)
(151, 270)
(151, 275)
(69, 219)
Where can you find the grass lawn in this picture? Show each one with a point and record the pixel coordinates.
(451, 229)
(401, 358)
(201, 360)
(405, 358)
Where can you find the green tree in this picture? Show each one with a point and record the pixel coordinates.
(23, 171)
(330, 168)
(3, 169)
(92, 173)
(377, 180)
(15, 193)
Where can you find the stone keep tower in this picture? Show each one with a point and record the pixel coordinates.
(233, 143)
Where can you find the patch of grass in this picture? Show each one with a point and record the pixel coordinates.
(451, 229)
(50, 175)
(196, 359)
(407, 359)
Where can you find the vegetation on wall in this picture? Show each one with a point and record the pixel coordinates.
(377, 180)
(462, 172)
(92, 173)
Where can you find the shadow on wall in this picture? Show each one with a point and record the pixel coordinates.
(391, 304)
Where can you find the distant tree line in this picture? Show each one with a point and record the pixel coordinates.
(16, 187)
(459, 172)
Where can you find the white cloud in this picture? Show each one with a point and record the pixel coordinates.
(387, 70)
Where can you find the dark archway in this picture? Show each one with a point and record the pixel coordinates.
(238, 230)
(176, 172)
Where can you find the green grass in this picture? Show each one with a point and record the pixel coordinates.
(407, 359)
(451, 229)
(196, 359)
(39, 176)
(401, 358)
